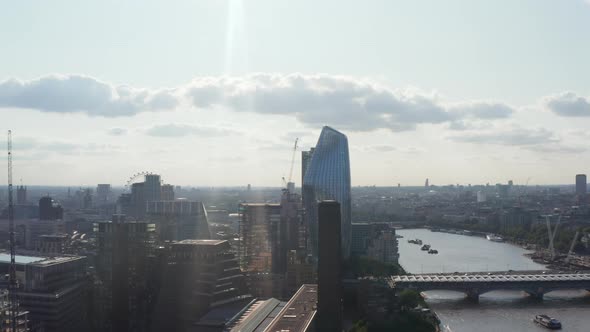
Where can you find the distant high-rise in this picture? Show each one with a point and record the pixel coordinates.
(329, 315)
(581, 184)
(305, 159)
(327, 177)
(103, 193)
(152, 188)
(426, 183)
(21, 195)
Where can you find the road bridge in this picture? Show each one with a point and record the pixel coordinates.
(535, 283)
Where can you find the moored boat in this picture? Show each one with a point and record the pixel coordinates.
(548, 322)
(433, 251)
(494, 238)
(425, 247)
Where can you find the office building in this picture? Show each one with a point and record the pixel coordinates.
(261, 237)
(53, 243)
(581, 184)
(52, 290)
(126, 274)
(329, 267)
(179, 219)
(49, 209)
(197, 276)
(21, 195)
(327, 177)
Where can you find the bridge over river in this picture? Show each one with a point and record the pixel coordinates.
(535, 283)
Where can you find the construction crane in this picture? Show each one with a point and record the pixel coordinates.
(293, 160)
(569, 253)
(286, 182)
(552, 233)
(12, 287)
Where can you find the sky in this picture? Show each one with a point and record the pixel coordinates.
(214, 92)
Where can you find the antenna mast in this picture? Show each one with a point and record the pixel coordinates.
(12, 281)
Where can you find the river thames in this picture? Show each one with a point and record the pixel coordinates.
(497, 310)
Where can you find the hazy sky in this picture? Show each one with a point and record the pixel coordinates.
(214, 92)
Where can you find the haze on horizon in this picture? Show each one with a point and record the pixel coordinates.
(213, 93)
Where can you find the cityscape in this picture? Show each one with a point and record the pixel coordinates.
(294, 166)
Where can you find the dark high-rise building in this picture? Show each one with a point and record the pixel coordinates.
(49, 210)
(581, 184)
(126, 275)
(21, 195)
(329, 313)
(197, 276)
(328, 178)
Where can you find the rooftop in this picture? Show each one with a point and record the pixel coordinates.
(22, 259)
(298, 313)
(201, 242)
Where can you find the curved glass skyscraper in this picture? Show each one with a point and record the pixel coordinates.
(327, 177)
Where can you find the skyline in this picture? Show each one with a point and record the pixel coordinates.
(215, 93)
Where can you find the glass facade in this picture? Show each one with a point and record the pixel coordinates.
(327, 177)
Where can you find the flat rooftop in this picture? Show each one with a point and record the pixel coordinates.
(298, 313)
(23, 259)
(202, 242)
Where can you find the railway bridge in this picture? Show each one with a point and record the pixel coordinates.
(535, 283)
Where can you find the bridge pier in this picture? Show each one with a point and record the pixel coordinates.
(536, 294)
(473, 295)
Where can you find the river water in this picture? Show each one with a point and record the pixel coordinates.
(498, 310)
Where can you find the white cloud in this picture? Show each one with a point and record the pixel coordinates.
(346, 102)
(117, 131)
(77, 93)
(181, 130)
(568, 104)
(513, 137)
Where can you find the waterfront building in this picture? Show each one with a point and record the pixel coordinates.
(384, 247)
(49, 209)
(53, 243)
(327, 177)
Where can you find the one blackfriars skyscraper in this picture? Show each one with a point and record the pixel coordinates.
(327, 177)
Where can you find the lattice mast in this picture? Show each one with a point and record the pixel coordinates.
(12, 281)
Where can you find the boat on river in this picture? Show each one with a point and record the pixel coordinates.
(433, 251)
(425, 247)
(494, 238)
(416, 241)
(548, 322)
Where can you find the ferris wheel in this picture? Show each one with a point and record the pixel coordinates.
(133, 179)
